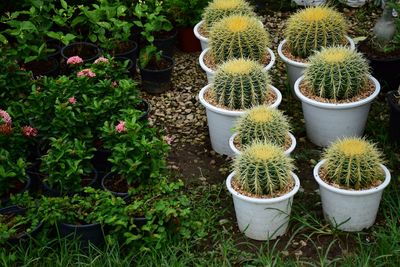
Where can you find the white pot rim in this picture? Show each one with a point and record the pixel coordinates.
(197, 33)
(302, 64)
(209, 70)
(263, 200)
(237, 151)
(358, 103)
(234, 113)
(329, 187)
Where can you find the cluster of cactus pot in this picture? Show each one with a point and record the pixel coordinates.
(353, 163)
(337, 73)
(312, 28)
(263, 124)
(263, 169)
(240, 84)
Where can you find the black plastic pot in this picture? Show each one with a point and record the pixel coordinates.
(394, 122)
(110, 175)
(86, 233)
(15, 210)
(166, 45)
(56, 45)
(100, 162)
(87, 51)
(157, 81)
(5, 199)
(145, 107)
(49, 67)
(132, 53)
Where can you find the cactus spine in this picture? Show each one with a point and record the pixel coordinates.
(240, 84)
(314, 27)
(263, 124)
(337, 73)
(263, 169)
(218, 9)
(353, 162)
(238, 36)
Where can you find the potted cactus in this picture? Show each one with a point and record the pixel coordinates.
(351, 179)
(262, 186)
(239, 84)
(262, 124)
(215, 11)
(336, 92)
(307, 31)
(236, 36)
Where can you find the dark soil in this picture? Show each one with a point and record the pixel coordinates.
(163, 34)
(161, 64)
(116, 183)
(40, 67)
(123, 47)
(366, 48)
(16, 188)
(84, 51)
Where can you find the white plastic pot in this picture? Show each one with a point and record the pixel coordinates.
(211, 73)
(294, 68)
(236, 151)
(310, 2)
(326, 122)
(221, 121)
(203, 40)
(355, 3)
(350, 210)
(262, 218)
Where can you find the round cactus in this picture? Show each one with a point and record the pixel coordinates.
(263, 169)
(263, 124)
(337, 73)
(312, 28)
(218, 9)
(353, 163)
(238, 36)
(240, 84)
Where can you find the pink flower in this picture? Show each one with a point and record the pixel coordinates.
(101, 60)
(5, 123)
(168, 139)
(114, 84)
(86, 72)
(75, 60)
(72, 100)
(120, 127)
(29, 131)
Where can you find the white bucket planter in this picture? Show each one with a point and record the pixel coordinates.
(350, 210)
(295, 69)
(236, 151)
(355, 3)
(203, 40)
(326, 122)
(211, 73)
(262, 218)
(221, 121)
(310, 2)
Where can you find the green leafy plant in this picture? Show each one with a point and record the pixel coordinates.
(263, 169)
(67, 163)
(353, 163)
(148, 54)
(186, 13)
(240, 84)
(337, 73)
(239, 36)
(12, 170)
(312, 28)
(263, 124)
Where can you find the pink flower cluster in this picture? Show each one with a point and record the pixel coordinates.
(5, 123)
(72, 100)
(86, 72)
(29, 131)
(120, 127)
(75, 60)
(168, 139)
(101, 60)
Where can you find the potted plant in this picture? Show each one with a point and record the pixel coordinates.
(336, 92)
(137, 153)
(215, 11)
(307, 31)
(239, 84)
(393, 98)
(262, 124)
(236, 36)
(382, 47)
(66, 167)
(186, 14)
(262, 186)
(86, 51)
(351, 179)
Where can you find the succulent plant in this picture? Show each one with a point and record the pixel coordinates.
(314, 27)
(240, 84)
(238, 36)
(218, 9)
(337, 73)
(263, 169)
(353, 162)
(263, 124)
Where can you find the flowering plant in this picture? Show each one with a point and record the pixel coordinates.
(12, 171)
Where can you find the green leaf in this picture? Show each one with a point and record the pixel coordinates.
(64, 4)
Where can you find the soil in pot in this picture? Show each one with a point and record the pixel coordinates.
(17, 188)
(156, 76)
(165, 42)
(117, 185)
(126, 50)
(87, 51)
(394, 122)
(49, 67)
